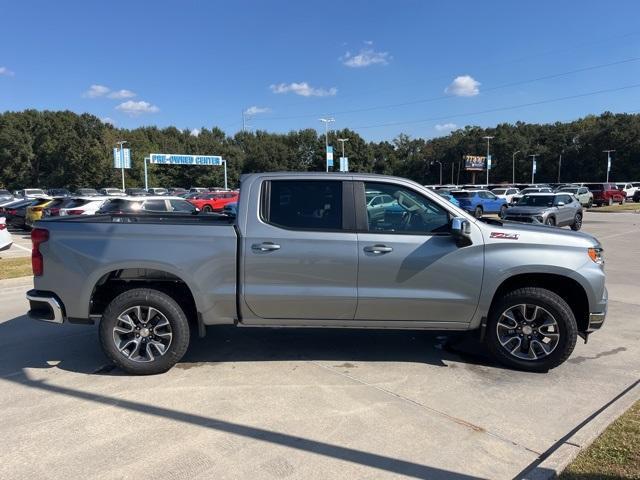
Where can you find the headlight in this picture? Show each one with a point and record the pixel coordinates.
(596, 255)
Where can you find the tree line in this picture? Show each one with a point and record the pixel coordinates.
(63, 149)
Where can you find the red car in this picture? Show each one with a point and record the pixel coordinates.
(606, 194)
(213, 202)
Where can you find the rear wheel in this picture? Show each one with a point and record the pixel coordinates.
(531, 329)
(577, 222)
(144, 331)
(478, 212)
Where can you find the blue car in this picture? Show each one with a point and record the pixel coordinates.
(479, 202)
(447, 194)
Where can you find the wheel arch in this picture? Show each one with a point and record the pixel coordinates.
(567, 288)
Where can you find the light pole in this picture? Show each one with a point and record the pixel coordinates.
(439, 163)
(342, 140)
(121, 145)
(488, 139)
(513, 167)
(533, 167)
(608, 152)
(326, 122)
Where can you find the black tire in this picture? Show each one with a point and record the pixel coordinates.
(167, 306)
(550, 221)
(590, 204)
(552, 303)
(577, 222)
(207, 209)
(503, 211)
(478, 212)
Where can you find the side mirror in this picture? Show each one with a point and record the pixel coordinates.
(560, 204)
(461, 231)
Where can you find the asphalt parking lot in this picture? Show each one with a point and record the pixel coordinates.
(21, 244)
(254, 403)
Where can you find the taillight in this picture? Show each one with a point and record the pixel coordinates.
(3, 226)
(38, 236)
(75, 212)
(54, 211)
(12, 211)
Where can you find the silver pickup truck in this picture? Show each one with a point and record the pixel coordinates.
(319, 250)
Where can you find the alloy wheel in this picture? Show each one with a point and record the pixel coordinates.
(142, 333)
(528, 332)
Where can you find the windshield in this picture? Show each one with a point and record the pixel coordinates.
(569, 189)
(499, 191)
(536, 201)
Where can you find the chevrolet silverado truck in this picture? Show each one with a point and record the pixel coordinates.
(306, 250)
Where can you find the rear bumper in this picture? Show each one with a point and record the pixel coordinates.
(45, 306)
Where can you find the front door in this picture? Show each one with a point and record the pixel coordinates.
(300, 256)
(410, 268)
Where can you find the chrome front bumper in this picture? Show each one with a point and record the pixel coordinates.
(45, 307)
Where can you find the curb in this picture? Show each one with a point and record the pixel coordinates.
(561, 456)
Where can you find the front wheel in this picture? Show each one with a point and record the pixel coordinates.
(477, 212)
(144, 331)
(577, 222)
(550, 221)
(590, 204)
(531, 329)
(503, 211)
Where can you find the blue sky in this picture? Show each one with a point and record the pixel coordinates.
(380, 68)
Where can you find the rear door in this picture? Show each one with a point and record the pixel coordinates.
(409, 266)
(300, 255)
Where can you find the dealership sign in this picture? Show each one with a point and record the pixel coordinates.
(174, 159)
(474, 162)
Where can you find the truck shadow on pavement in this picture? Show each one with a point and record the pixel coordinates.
(75, 348)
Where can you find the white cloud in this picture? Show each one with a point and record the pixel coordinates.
(365, 57)
(137, 108)
(121, 94)
(445, 127)
(195, 132)
(303, 89)
(96, 91)
(254, 110)
(463, 86)
(108, 120)
(4, 71)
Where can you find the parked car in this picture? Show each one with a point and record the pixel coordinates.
(198, 190)
(302, 252)
(58, 192)
(528, 190)
(213, 202)
(31, 193)
(447, 194)
(136, 192)
(555, 209)
(605, 193)
(17, 214)
(177, 191)
(584, 196)
(53, 208)
(111, 192)
(480, 202)
(230, 209)
(5, 196)
(82, 206)
(158, 191)
(505, 192)
(35, 211)
(5, 235)
(156, 204)
(86, 192)
(629, 188)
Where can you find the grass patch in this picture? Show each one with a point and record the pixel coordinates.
(615, 453)
(627, 207)
(15, 267)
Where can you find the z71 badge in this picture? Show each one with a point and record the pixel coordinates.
(505, 236)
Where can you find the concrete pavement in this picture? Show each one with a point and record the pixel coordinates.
(252, 403)
(21, 245)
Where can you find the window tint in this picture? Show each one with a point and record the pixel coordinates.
(154, 206)
(405, 212)
(181, 206)
(313, 205)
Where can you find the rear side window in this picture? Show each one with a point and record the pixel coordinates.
(305, 205)
(459, 195)
(154, 206)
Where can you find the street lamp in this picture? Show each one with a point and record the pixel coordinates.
(513, 167)
(326, 122)
(488, 139)
(121, 145)
(533, 167)
(440, 163)
(342, 140)
(608, 152)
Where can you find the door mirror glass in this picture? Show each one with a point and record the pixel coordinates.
(560, 204)
(461, 231)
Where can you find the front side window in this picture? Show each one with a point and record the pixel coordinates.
(305, 204)
(154, 206)
(405, 211)
(181, 206)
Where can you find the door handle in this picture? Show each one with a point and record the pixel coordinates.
(265, 247)
(378, 249)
